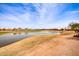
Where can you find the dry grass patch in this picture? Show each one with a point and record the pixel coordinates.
(68, 32)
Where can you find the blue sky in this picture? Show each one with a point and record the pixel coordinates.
(38, 15)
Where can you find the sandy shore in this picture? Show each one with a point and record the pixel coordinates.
(47, 45)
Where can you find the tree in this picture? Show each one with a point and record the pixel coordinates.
(62, 30)
(75, 27)
(3, 29)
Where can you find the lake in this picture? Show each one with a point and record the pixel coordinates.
(12, 37)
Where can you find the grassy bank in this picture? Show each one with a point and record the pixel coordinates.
(68, 32)
(1, 33)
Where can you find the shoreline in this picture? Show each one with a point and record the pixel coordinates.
(49, 45)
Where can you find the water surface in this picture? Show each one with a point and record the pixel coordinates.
(12, 37)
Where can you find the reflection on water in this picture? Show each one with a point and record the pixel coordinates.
(13, 37)
(17, 33)
(14, 33)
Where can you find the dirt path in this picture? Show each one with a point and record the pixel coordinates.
(56, 47)
(63, 45)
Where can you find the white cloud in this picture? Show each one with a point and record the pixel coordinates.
(45, 16)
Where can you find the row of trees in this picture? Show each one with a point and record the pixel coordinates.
(9, 29)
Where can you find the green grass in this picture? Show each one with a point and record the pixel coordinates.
(1, 33)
